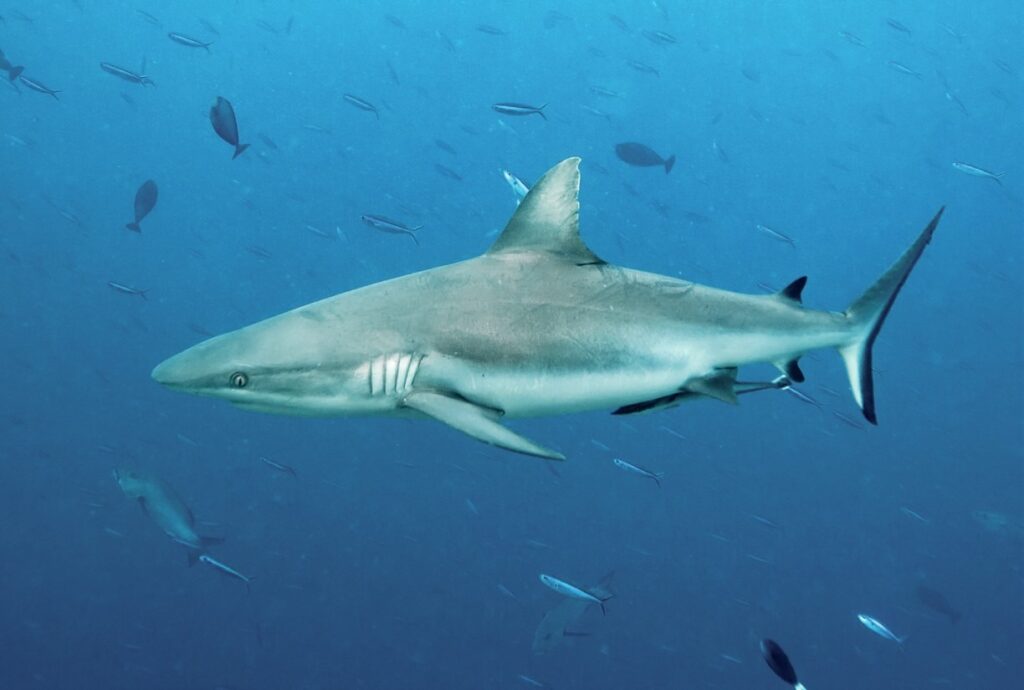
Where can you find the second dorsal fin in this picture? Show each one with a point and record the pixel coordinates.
(548, 219)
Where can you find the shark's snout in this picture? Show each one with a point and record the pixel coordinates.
(173, 372)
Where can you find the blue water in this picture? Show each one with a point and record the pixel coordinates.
(379, 565)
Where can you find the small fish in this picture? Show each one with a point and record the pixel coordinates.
(394, 21)
(148, 17)
(362, 104)
(38, 86)
(391, 226)
(506, 591)
(126, 74)
(318, 232)
(602, 91)
(471, 507)
(519, 109)
(660, 37)
(572, 591)
(222, 117)
(268, 141)
(280, 467)
(879, 628)
(447, 172)
(267, 26)
(775, 234)
(519, 188)
(491, 30)
(936, 601)
(914, 514)
(127, 289)
(898, 26)
(974, 170)
(209, 27)
(764, 521)
(801, 396)
(619, 22)
(852, 38)
(637, 469)
(847, 420)
(189, 41)
(224, 568)
(644, 156)
(778, 662)
(719, 151)
(595, 111)
(643, 67)
(903, 69)
(445, 146)
(531, 681)
(145, 200)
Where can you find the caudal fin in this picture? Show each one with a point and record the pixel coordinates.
(867, 314)
(239, 150)
(134, 227)
(669, 163)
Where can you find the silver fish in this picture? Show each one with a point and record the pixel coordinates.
(128, 289)
(519, 188)
(394, 227)
(223, 567)
(280, 467)
(775, 234)
(519, 109)
(572, 591)
(189, 41)
(362, 104)
(637, 469)
(126, 74)
(38, 86)
(879, 628)
(975, 171)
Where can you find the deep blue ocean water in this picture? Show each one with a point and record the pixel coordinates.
(389, 560)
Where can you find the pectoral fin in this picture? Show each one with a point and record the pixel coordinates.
(479, 422)
(720, 386)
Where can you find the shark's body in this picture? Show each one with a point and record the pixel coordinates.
(538, 325)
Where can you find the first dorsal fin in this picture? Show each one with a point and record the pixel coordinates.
(548, 219)
(794, 291)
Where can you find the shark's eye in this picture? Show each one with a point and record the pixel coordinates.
(239, 379)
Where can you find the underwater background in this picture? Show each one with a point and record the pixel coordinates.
(404, 554)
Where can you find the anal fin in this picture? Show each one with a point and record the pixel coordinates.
(476, 421)
(792, 370)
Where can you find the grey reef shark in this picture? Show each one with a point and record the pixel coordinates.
(538, 325)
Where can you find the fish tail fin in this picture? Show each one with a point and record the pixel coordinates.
(866, 316)
(134, 227)
(15, 72)
(54, 94)
(669, 163)
(239, 150)
(658, 476)
(540, 111)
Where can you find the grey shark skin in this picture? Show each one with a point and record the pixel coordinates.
(538, 325)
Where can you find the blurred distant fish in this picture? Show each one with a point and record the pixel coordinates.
(127, 289)
(149, 17)
(619, 22)
(491, 30)
(184, 40)
(643, 67)
(223, 568)
(852, 38)
(975, 171)
(641, 155)
(602, 91)
(222, 117)
(445, 146)
(286, 469)
(898, 26)
(719, 151)
(393, 227)
(145, 201)
(13, 71)
(637, 469)
(776, 235)
(903, 69)
(394, 21)
(209, 27)
(519, 188)
(519, 109)
(936, 601)
(448, 172)
(362, 104)
(126, 74)
(595, 111)
(38, 86)
(267, 140)
(661, 37)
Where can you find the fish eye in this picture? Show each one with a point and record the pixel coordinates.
(239, 379)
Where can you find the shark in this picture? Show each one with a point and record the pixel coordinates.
(538, 325)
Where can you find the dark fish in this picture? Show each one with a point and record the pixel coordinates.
(553, 18)
(393, 73)
(289, 24)
(361, 104)
(126, 74)
(619, 22)
(267, 26)
(601, 91)
(778, 662)
(287, 469)
(751, 74)
(394, 21)
(491, 30)
(391, 226)
(659, 37)
(448, 172)
(519, 109)
(852, 38)
(222, 116)
(37, 86)
(445, 146)
(643, 67)
(936, 601)
(643, 156)
(209, 27)
(267, 140)
(189, 41)
(148, 17)
(13, 71)
(898, 26)
(145, 200)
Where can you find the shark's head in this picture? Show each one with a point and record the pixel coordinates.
(294, 363)
(132, 483)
